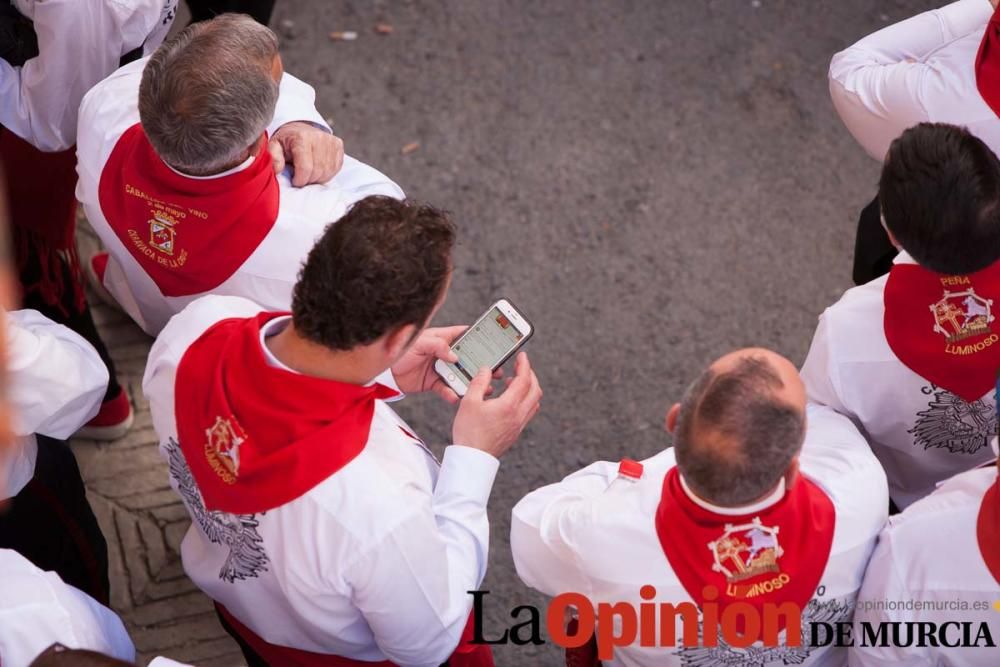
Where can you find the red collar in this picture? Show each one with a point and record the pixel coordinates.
(188, 234)
(988, 64)
(256, 436)
(777, 554)
(943, 328)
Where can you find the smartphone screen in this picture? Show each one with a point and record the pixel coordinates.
(486, 343)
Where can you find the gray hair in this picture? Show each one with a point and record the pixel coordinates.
(208, 94)
(735, 438)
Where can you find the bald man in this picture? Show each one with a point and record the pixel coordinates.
(761, 500)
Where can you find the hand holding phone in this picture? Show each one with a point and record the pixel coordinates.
(492, 425)
(488, 343)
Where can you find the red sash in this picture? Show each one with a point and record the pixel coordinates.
(988, 64)
(943, 327)
(188, 234)
(775, 555)
(988, 530)
(466, 655)
(256, 436)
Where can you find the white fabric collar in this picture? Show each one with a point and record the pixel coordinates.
(904, 258)
(238, 168)
(273, 328)
(771, 499)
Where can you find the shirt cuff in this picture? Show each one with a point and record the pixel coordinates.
(468, 472)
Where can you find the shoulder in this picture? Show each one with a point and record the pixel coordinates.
(837, 458)
(186, 326)
(947, 520)
(110, 107)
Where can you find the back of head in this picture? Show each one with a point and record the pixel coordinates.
(384, 265)
(737, 431)
(209, 93)
(940, 198)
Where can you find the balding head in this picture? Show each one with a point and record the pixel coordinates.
(740, 427)
(207, 95)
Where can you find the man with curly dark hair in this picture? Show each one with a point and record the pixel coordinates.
(323, 526)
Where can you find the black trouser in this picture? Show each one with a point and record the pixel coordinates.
(51, 523)
(68, 313)
(202, 10)
(873, 251)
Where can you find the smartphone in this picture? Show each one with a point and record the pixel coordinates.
(491, 341)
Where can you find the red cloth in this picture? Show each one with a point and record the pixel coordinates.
(943, 327)
(188, 234)
(466, 655)
(776, 555)
(256, 436)
(41, 189)
(988, 530)
(988, 64)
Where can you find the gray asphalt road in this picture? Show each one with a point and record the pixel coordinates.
(654, 182)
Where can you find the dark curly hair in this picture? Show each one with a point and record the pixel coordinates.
(383, 265)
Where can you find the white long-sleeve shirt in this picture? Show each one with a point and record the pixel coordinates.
(929, 554)
(593, 533)
(56, 383)
(79, 43)
(269, 274)
(371, 564)
(922, 434)
(37, 610)
(918, 70)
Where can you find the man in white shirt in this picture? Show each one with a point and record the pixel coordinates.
(54, 384)
(933, 67)
(37, 610)
(910, 357)
(324, 528)
(185, 201)
(759, 501)
(942, 553)
(42, 81)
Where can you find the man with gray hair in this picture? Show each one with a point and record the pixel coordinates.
(177, 179)
(761, 500)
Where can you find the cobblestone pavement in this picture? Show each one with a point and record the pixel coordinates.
(144, 520)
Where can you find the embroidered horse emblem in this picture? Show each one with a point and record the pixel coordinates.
(961, 315)
(746, 551)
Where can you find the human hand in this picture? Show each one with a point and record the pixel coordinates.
(414, 372)
(493, 425)
(315, 155)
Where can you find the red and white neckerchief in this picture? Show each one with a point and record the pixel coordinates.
(943, 327)
(988, 64)
(776, 554)
(188, 234)
(256, 436)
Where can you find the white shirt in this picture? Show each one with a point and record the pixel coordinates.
(37, 610)
(919, 70)
(56, 384)
(371, 564)
(593, 533)
(270, 272)
(921, 434)
(929, 554)
(79, 43)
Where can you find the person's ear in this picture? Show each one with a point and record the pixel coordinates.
(792, 472)
(397, 340)
(671, 422)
